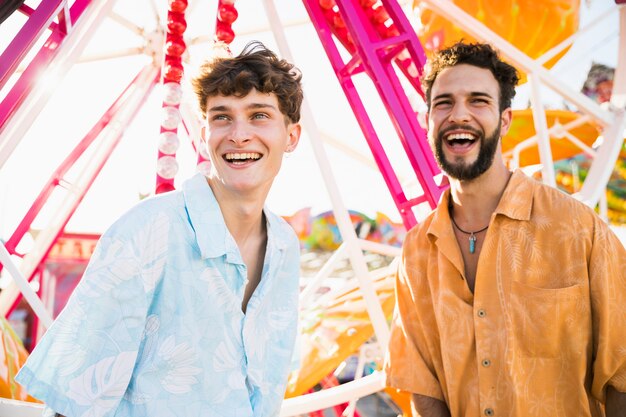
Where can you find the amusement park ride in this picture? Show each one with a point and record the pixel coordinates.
(382, 42)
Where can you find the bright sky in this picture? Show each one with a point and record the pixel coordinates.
(89, 88)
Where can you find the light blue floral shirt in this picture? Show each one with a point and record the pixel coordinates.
(155, 327)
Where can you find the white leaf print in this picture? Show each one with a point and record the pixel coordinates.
(178, 363)
(226, 357)
(111, 265)
(65, 351)
(152, 325)
(218, 290)
(154, 238)
(101, 385)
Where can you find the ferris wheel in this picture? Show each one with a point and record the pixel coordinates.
(375, 51)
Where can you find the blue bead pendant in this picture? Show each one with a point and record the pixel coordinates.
(472, 243)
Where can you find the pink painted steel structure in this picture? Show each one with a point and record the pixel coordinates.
(39, 20)
(377, 39)
(380, 41)
(121, 104)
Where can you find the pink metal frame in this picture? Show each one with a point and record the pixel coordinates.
(120, 105)
(39, 20)
(375, 56)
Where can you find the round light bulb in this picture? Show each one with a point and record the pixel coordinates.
(204, 168)
(168, 143)
(173, 94)
(171, 118)
(204, 152)
(167, 167)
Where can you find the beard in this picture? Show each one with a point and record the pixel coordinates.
(459, 169)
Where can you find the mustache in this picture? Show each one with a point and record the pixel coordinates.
(450, 128)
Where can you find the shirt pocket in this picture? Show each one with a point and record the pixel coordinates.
(544, 319)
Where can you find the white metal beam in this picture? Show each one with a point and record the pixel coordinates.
(522, 61)
(67, 54)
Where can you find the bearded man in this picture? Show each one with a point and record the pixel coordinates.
(511, 295)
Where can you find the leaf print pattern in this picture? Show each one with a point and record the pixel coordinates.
(114, 265)
(66, 352)
(101, 385)
(219, 292)
(154, 238)
(550, 275)
(160, 286)
(227, 356)
(180, 372)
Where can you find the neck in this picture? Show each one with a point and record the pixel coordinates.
(473, 202)
(243, 214)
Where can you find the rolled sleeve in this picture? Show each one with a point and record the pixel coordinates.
(408, 366)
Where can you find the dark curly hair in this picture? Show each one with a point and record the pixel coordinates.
(256, 67)
(480, 55)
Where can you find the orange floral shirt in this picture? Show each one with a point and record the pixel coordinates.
(544, 332)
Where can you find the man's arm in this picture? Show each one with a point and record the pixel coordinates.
(615, 403)
(431, 407)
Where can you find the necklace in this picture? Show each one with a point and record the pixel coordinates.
(472, 235)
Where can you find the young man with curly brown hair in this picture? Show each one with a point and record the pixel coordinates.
(189, 305)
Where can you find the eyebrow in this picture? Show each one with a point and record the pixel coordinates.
(480, 94)
(472, 94)
(251, 106)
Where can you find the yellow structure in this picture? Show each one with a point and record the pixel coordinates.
(523, 128)
(12, 357)
(533, 27)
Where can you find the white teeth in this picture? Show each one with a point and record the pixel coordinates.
(246, 155)
(460, 136)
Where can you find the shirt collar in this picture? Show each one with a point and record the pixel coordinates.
(207, 221)
(516, 203)
(517, 200)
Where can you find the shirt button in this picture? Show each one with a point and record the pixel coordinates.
(486, 363)
(489, 411)
(482, 313)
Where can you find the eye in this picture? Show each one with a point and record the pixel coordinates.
(260, 116)
(219, 117)
(480, 100)
(442, 104)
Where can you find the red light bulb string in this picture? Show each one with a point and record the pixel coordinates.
(225, 17)
(172, 74)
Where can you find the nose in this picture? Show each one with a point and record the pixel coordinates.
(459, 113)
(239, 132)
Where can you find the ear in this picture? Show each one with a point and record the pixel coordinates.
(505, 119)
(203, 133)
(425, 119)
(294, 131)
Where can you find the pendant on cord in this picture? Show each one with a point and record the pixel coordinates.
(472, 243)
(472, 235)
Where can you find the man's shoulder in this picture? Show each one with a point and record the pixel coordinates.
(165, 206)
(282, 228)
(420, 230)
(557, 202)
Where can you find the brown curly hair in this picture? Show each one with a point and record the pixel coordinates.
(256, 67)
(480, 55)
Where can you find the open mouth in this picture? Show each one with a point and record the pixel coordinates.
(460, 139)
(241, 158)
